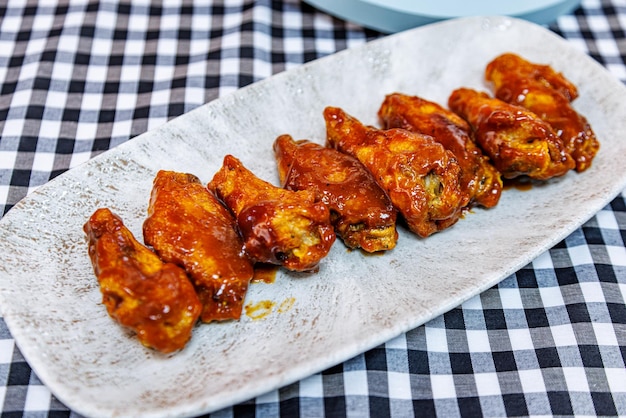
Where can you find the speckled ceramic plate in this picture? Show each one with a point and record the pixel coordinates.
(51, 301)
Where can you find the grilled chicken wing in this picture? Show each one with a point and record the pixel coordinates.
(517, 141)
(188, 226)
(548, 94)
(154, 299)
(361, 212)
(419, 175)
(479, 178)
(279, 226)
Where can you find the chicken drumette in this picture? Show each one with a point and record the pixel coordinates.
(154, 299)
(278, 226)
(548, 94)
(419, 175)
(517, 141)
(479, 178)
(188, 226)
(361, 212)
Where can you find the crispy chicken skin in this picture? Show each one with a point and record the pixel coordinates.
(419, 175)
(517, 141)
(188, 226)
(154, 299)
(548, 94)
(361, 212)
(278, 226)
(479, 178)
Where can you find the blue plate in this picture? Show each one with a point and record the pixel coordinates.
(397, 15)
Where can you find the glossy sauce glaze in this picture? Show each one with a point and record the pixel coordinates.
(548, 94)
(273, 232)
(265, 273)
(517, 141)
(418, 174)
(361, 211)
(479, 177)
(522, 184)
(188, 226)
(278, 226)
(154, 299)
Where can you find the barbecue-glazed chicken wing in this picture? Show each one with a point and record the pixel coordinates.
(154, 299)
(279, 226)
(548, 94)
(517, 141)
(479, 178)
(419, 175)
(188, 226)
(510, 67)
(361, 212)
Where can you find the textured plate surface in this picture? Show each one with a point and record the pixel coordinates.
(51, 301)
(396, 15)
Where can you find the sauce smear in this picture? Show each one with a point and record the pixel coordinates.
(264, 273)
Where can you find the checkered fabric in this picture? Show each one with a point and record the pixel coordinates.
(80, 77)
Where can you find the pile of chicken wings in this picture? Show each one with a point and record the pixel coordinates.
(425, 166)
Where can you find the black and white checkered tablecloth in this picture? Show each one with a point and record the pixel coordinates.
(80, 77)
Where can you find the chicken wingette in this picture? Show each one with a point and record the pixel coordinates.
(361, 212)
(418, 174)
(479, 178)
(518, 142)
(278, 226)
(188, 226)
(154, 299)
(548, 94)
